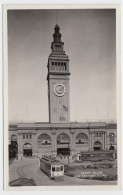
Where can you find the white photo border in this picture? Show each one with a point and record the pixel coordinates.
(5, 99)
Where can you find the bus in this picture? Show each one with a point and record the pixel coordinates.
(52, 167)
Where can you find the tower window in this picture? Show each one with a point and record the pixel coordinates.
(65, 66)
(30, 136)
(53, 67)
(55, 63)
(58, 65)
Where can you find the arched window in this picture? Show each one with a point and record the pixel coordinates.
(13, 137)
(112, 148)
(81, 138)
(44, 139)
(97, 143)
(63, 139)
(14, 140)
(111, 137)
(27, 146)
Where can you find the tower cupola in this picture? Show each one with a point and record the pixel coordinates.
(57, 34)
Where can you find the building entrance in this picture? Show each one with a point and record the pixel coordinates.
(97, 148)
(27, 149)
(63, 151)
(97, 145)
(27, 152)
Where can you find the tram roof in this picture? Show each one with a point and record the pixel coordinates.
(95, 152)
(50, 161)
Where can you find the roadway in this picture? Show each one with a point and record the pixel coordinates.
(29, 168)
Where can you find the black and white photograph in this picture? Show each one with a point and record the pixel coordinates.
(62, 97)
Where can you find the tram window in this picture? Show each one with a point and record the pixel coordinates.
(53, 168)
(61, 168)
(57, 169)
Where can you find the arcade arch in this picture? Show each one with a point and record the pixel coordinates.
(97, 145)
(44, 139)
(81, 138)
(63, 141)
(27, 149)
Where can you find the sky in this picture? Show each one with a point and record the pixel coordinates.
(89, 37)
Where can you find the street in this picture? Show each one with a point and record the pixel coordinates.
(29, 168)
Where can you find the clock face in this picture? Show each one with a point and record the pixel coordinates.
(59, 89)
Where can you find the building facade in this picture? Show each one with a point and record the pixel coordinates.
(59, 135)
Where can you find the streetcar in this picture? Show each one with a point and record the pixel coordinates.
(52, 167)
(94, 156)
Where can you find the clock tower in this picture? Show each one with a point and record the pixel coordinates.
(58, 81)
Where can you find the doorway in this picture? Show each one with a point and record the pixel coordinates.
(97, 146)
(27, 152)
(63, 151)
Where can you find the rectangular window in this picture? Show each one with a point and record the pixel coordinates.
(53, 169)
(100, 134)
(65, 66)
(26, 136)
(61, 168)
(52, 66)
(57, 169)
(23, 136)
(30, 136)
(58, 65)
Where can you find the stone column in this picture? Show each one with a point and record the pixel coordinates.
(115, 139)
(72, 144)
(107, 138)
(54, 148)
(35, 144)
(90, 141)
(104, 140)
(20, 152)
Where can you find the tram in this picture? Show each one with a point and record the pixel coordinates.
(94, 156)
(52, 167)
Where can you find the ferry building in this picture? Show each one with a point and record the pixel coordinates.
(59, 135)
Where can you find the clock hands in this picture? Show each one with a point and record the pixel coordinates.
(59, 89)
